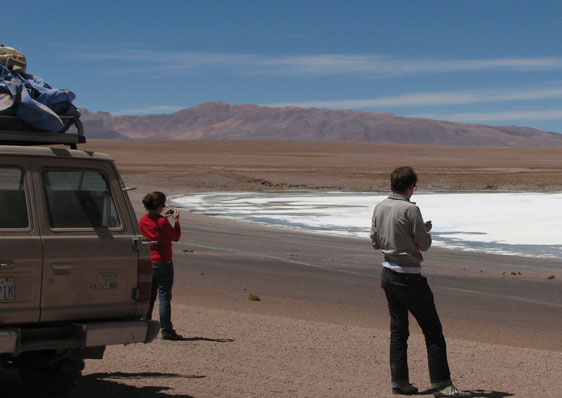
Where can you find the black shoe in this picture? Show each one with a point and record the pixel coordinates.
(405, 389)
(173, 336)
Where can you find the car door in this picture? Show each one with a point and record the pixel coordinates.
(90, 263)
(20, 244)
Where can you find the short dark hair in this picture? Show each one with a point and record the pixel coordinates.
(154, 200)
(402, 178)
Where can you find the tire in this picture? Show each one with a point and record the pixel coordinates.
(48, 378)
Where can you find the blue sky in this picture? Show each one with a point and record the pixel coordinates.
(493, 62)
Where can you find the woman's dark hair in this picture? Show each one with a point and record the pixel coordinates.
(402, 178)
(154, 200)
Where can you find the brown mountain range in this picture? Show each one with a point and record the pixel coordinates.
(222, 121)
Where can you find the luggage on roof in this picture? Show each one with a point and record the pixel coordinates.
(12, 59)
(31, 111)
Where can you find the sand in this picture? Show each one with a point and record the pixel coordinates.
(320, 328)
(266, 165)
(236, 354)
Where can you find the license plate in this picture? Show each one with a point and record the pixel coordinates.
(7, 289)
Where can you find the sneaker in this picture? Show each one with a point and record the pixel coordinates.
(173, 336)
(405, 389)
(451, 391)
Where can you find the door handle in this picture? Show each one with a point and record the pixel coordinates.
(6, 264)
(62, 268)
(139, 242)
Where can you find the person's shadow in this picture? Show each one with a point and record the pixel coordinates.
(205, 339)
(478, 393)
(490, 394)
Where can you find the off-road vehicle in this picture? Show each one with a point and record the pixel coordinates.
(75, 273)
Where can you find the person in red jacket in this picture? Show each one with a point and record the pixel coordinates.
(156, 227)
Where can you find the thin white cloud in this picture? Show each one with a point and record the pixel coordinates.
(501, 116)
(422, 99)
(376, 65)
(449, 98)
(398, 66)
(461, 97)
(149, 110)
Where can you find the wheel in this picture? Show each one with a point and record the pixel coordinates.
(51, 377)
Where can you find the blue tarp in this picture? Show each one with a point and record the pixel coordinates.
(34, 102)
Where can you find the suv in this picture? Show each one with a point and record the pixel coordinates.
(75, 273)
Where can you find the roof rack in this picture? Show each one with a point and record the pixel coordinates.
(35, 137)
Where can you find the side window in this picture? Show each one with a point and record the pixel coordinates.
(13, 205)
(79, 199)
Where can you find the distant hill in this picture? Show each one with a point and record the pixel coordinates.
(222, 121)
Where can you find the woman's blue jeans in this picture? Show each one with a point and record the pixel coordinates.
(411, 293)
(162, 282)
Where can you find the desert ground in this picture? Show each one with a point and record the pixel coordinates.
(320, 327)
(266, 165)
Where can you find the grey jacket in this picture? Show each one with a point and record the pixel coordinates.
(397, 228)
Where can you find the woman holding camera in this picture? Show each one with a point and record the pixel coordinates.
(156, 227)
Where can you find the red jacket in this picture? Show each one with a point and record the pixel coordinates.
(158, 228)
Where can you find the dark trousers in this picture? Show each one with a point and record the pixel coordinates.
(411, 293)
(162, 282)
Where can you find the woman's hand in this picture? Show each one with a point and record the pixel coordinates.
(172, 213)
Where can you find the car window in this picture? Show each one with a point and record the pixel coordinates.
(13, 208)
(79, 199)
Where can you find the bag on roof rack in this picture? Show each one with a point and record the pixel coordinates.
(28, 102)
(12, 59)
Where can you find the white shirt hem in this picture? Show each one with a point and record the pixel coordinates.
(401, 269)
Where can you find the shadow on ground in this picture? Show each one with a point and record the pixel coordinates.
(207, 339)
(490, 394)
(106, 385)
(477, 393)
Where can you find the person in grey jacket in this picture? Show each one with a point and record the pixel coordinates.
(399, 231)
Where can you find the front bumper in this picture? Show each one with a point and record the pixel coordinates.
(77, 335)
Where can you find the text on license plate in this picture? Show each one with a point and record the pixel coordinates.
(7, 289)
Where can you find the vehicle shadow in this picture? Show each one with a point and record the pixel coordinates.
(108, 385)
